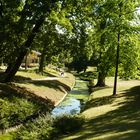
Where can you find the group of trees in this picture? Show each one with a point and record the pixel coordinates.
(102, 33)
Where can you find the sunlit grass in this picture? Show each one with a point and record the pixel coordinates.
(30, 75)
(112, 117)
(33, 73)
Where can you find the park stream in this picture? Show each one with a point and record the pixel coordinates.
(74, 101)
(72, 104)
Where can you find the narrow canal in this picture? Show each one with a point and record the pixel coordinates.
(75, 99)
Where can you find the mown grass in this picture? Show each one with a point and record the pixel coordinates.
(111, 117)
(34, 74)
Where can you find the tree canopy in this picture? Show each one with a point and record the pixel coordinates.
(73, 33)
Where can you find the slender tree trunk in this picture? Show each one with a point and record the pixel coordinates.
(42, 60)
(101, 80)
(23, 52)
(117, 63)
(117, 55)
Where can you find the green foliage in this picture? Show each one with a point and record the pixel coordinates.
(88, 76)
(79, 64)
(15, 111)
(129, 58)
(46, 127)
(67, 124)
(38, 129)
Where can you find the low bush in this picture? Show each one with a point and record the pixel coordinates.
(67, 124)
(47, 128)
(38, 129)
(15, 111)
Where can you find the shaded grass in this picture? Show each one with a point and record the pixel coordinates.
(112, 118)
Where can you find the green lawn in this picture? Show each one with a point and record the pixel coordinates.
(109, 117)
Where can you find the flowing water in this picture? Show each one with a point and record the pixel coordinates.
(75, 99)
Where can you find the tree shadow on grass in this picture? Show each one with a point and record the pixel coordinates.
(10, 91)
(123, 123)
(49, 74)
(41, 73)
(99, 102)
(80, 91)
(17, 78)
(55, 84)
(99, 88)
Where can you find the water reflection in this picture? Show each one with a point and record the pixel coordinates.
(69, 106)
(74, 101)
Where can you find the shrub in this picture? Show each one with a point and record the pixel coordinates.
(15, 111)
(39, 129)
(46, 127)
(67, 124)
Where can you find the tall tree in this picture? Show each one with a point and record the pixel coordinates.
(27, 45)
(124, 26)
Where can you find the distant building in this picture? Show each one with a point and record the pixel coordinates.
(31, 60)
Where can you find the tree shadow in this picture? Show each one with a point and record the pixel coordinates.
(55, 84)
(49, 74)
(20, 78)
(99, 102)
(10, 91)
(17, 78)
(123, 123)
(94, 88)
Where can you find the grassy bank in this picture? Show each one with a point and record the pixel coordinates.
(30, 95)
(51, 86)
(111, 117)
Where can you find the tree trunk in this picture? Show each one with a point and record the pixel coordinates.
(42, 60)
(23, 52)
(9, 67)
(26, 61)
(117, 63)
(117, 56)
(101, 80)
(15, 68)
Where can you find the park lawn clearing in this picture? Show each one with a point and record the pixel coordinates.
(111, 117)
